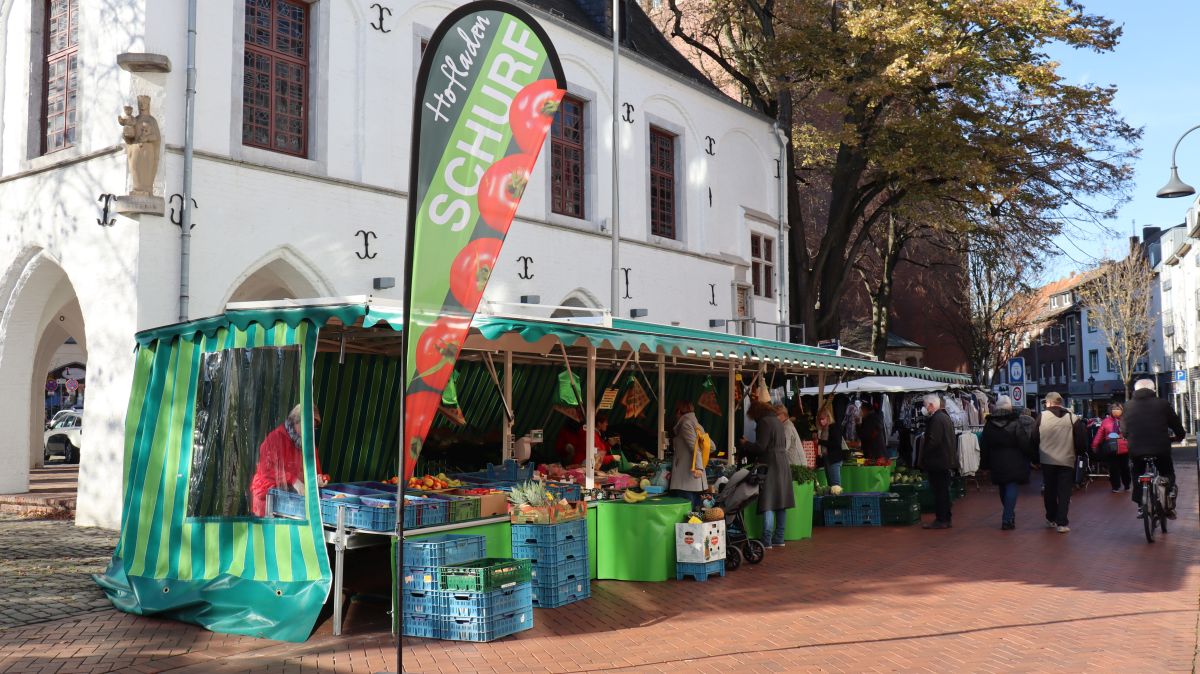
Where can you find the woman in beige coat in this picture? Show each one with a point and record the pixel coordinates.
(687, 466)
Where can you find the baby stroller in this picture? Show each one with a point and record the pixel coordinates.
(734, 496)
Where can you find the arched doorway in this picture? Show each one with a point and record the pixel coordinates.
(578, 303)
(40, 314)
(283, 274)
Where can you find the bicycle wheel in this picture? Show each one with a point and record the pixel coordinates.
(1148, 511)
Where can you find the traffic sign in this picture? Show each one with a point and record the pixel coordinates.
(51, 386)
(72, 384)
(1180, 375)
(1018, 396)
(1016, 370)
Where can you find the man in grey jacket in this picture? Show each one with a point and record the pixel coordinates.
(1060, 437)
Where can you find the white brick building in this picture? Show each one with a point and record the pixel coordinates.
(291, 221)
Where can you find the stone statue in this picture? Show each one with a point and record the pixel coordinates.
(142, 141)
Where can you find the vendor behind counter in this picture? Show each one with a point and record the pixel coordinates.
(571, 444)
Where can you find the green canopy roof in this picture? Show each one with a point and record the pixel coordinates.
(623, 335)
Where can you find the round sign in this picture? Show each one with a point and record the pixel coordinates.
(51, 385)
(72, 384)
(1018, 395)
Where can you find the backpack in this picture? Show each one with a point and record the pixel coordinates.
(703, 447)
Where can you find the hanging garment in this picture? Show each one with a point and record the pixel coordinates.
(968, 453)
(885, 408)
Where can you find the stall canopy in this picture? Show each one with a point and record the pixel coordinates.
(195, 544)
(883, 385)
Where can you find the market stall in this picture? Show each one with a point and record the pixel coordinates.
(200, 543)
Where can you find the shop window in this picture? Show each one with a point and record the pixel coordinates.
(242, 397)
(662, 183)
(61, 75)
(762, 265)
(275, 76)
(566, 159)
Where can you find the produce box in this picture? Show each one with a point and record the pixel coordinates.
(541, 534)
(700, 543)
(904, 509)
(554, 596)
(487, 605)
(550, 515)
(444, 549)
(484, 575)
(836, 502)
(490, 505)
(459, 508)
(486, 629)
(510, 470)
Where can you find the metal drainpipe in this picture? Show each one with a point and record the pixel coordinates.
(782, 286)
(189, 132)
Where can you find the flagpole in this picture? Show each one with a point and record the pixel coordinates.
(615, 218)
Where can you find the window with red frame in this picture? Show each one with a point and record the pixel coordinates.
(566, 159)
(59, 117)
(275, 80)
(662, 183)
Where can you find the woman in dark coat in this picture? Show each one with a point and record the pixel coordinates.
(1006, 450)
(870, 432)
(829, 423)
(775, 496)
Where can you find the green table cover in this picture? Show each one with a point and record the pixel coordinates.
(862, 478)
(636, 541)
(498, 535)
(799, 517)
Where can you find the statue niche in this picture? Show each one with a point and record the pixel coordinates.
(142, 141)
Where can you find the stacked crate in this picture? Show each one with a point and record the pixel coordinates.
(450, 590)
(558, 554)
(700, 550)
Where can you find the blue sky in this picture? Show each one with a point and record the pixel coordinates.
(1154, 68)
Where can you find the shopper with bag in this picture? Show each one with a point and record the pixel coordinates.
(1061, 437)
(1112, 448)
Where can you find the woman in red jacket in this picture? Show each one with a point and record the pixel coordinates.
(1118, 461)
(280, 461)
(572, 443)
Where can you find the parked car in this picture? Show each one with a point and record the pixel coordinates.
(62, 413)
(63, 438)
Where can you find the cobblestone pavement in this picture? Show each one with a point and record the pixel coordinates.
(45, 567)
(892, 599)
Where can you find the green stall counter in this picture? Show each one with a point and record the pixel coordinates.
(636, 541)
(799, 517)
(857, 479)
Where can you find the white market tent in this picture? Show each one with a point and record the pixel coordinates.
(879, 385)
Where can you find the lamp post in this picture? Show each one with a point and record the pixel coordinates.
(1176, 187)
(1092, 394)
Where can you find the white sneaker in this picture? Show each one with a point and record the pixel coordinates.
(1050, 525)
(1064, 529)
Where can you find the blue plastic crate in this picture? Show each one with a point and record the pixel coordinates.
(425, 626)
(559, 553)
(699, 570)
(838, 517)
(420, 578)
(352, 489)
(865, 517)
(486, 629)
(547, 575)
(487, 605)
(423, 602)
(424, 512)
(564, 490)
(444, 549)
(358, 515)
(554, 596)
(510, 470)
(287, 503)
(549, 534)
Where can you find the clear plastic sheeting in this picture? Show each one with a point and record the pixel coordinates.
(246, 439)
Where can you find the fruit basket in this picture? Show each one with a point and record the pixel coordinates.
(484, 575)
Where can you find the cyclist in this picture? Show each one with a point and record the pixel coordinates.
(1150, 425)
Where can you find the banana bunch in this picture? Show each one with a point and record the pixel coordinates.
(635, 495)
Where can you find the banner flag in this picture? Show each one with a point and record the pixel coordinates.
(487, 91)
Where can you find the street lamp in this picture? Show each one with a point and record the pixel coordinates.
(1092, 394)
(1176, 187)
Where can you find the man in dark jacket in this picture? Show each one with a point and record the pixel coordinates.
(1150, 424)
(939, 456)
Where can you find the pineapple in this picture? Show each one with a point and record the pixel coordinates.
(529, 495)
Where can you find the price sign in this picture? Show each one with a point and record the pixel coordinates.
(608, 398)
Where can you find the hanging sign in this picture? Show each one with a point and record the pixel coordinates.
(608, 399)
(487, 91)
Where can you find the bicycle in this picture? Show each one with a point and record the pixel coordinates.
(1154, 494)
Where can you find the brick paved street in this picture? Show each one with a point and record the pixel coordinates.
(971, 599)
(45, 567)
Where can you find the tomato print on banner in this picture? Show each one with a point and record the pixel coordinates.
(489, 86)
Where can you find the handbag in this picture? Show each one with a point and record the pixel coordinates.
(1110, 446)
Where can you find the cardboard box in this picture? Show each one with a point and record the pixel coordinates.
(701, 543)
(490, 505)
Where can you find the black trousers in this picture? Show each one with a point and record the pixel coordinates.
(1058, 481)
(939, 483)
(1118, 471)
(1166, 468)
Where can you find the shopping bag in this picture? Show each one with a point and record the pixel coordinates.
(1108, 447)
